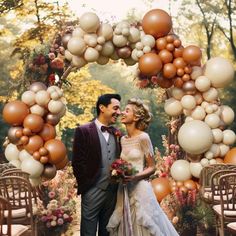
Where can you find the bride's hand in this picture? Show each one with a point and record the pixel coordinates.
(129, 178)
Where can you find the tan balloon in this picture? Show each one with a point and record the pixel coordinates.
(195, 169)
(108, 49)
(227, 114)
(220, 71)
(198, 113)
(76, 46)
(173, 107)
(196, 72)
(228, 137)
(90, 40)
(212, 120)
(89, 22)
(217, 135)
(188, 118)
(212, 161)
(215, 149)
(106, 31)
(11, 152)
(37, 110)
(24, 155)
(211, 95)
(202, 83)
(148, 40)
(32, 167)
(134, 35)
(223, 149)
(91, 54)
(68, 55)
(42, 98)
(188, 102)
(102, 60)
(204, 162)
(55, 106)
(28, 97)
(78, 32)
(180, 170)
(208, 155)
(119, 40)
(195, 137)
(187, 112)
(78, 61)
(198, 97)
(37, 86)
(177, 93)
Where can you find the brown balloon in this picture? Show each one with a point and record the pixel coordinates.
(27, 132)
(24, 140)
(157, 23)
(48, 132)
(166, 56)
(12, 134)
(189, 86)
(43, 151)
(178, 82)
(161, 43)
(161, 188)
(164, 82)
(52, 119)
(179, 62)
(56, 149)
(43, 159)
(186, 77)
(124, 52)
(230, 157)
(49, 171)
(65, 40)
(178, 52)
(170, 38)
(177, 43)
(192, 54)
(188, 69)
(150, 64)
(62, 163)
(190, 184)
(169, 70)
(170, 47)
(33, 122)
(36, 156)
(37, 86)
(35, 142)
(15, 112)
(180, 72)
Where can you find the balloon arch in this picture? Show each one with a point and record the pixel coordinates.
(162, 61)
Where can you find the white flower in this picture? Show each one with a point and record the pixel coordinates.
(114, 173)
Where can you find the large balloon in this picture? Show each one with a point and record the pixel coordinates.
(192, 54)
(89, 22)
(180, 170)
(48, 132)
(34, 144)
(33, 122)
(230, 157)
(161, 187)
(62, 164)
(56, 149)
(15, 112)
(157, 23)
(220, 72)
(195, 137)
(32, 167)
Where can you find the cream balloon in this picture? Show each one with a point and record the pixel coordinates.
(177, 93)
(204, 104)
(204, 162)
(215, 149)
(195, 169)
(55, 106)
(134, 35)
(209, 109)
(180, 170)
(28, 97)
(148, 40)
(211, 95)
(198, 97)
(35, 181)
(173, 107)
(212, 120)
(223, 149)
(78, 61)
(90, 40)
(68, 55)
(42, 98)
(188, 102)
(196, 72)
(188, 118)
(147, 49)
(198, 113)
(227, 114)
(195, 137)
(217, 135)
(106, 31)
(38, 110)
(78, 33)
(107, 49)
(119, 40)
(187, 112)
(220, 71)
(208, 155)
(23, 155)
(91, 54)
(89, 22)
(212, 162)
(11, 152)
(202, 83)
(228, 137)
(76, 46)
(16, 163)
(32, 167)
(100, 40)
(55, 95)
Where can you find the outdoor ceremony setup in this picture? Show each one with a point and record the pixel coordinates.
(195, 180)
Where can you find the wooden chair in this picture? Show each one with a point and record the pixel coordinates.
(18, 191)
(226, 210)
(231, 228)
(9, 229)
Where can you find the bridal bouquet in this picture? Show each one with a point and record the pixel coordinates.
(121, 168)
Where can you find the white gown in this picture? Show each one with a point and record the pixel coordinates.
(146, 216)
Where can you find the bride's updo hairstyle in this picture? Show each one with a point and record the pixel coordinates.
(141, 111)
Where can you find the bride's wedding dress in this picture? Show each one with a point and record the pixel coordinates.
(142, 215)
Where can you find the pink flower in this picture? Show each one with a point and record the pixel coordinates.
(60, 221)
(51, 194)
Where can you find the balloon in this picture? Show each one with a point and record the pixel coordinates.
(107, 49)
(62, 164)
(179, 62)
(211, 95)
(202, 83)
(189, 87)
(37, 86)
(169, 70)
(188, 102)
(161, 188)
(37, 110)
(65, 39)
(91, 54)
(52, 119)
(11, 152)
(197, 71)
(228, 137)
(180, 170)
(166, 56)
(24, 155)
(195, 169)
(15, 112)
(190, 184)
(161, 43)
(217, 135)
(78, 61)
(195, 137)
(55, 106)
(204, 162)
(192, 54)
(12, 134)
(35, 181)
(56, 149)
(230, 157)
(106, 31)
(198, 113)
(212, 120)
(163, 82)
(157, 23)
(49, 171)
(35, 142)
(150, 64)
(227, 114)
(178, 82)
(124, 52)
(28, 97)
(42, 98)
(178, 52)
(48, 132)
(119, 40)
(89, 22)
(220, 71)
(173, 107)
(15, 163)
(223, 149)
(32, 167)
(76, 46)
(33, 122)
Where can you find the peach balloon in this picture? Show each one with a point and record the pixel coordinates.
(33, 122)
(179, 62)
(35, 142)
(157, 23)
(169, 70)
(56, 149)
(192, 54)
(62, 164)
(48, 132)
(15, 112)
(165, 56)
(161, 43)
(161, 188)
(230, 157)
(150, 64)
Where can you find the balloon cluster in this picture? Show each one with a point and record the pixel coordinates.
(32, 145)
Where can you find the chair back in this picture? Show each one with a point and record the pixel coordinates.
(5, 205)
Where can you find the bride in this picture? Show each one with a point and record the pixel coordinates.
(137, 211)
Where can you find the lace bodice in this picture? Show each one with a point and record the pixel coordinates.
(134, 150)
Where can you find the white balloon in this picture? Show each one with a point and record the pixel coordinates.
(23, 155)
(204, 162)
(89, 22)
(215, 149)
(55, 106)
(119, 40)
(212, 161)
(76, 46)
(188, 118)
(202, 83)
(173, 107)
(204, 104)
(195, 169)
(180, 170)
(107, 49)
(177, 93)
(68, 55)
(134, 35)
(105, 30)
(228, 137)
(217, 135)
(198, 97)
(16, 163)
(91, 54)
(42, 98)
(209, 109)
(211, 95)
(32, 167)
(11, 152)
(227, 114)
(212, 120)
(78, 32)
(148, 40)
(196, 72)
(208, 155)
(188, 102)
(198, 113)
(223, 149)
(28, 97)
(78, 61)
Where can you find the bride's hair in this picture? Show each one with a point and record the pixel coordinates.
(141, 111)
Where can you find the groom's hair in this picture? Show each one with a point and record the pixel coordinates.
(105, 100)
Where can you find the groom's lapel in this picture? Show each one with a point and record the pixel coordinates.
(96, 147)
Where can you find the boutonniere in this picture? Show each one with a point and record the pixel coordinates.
(117, 133)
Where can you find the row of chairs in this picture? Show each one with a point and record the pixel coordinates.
(218, 188)
(17, 199)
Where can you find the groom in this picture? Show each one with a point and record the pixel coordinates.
(95, 148)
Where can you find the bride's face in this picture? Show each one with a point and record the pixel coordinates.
(128, 116)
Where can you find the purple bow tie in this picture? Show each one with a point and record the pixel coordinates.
(109, 129)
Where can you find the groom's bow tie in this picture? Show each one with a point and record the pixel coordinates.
(109, 129)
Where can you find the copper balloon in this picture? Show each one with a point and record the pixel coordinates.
(164, 82)
(19, 133)
(65, 40)
(52, 119)
(178, 52)
(157, 23)
(15, 112)
(161, 43)
(27, 131)
(36, 156)
(219, 160)
(62, 163)
(37, 86)
(179, 62)
(169, 70)
(190, 184)
(12, 134)
(192, 54)
(188, 69)
(56, 149)
(170, 38)
(24, 140)
(178, 82)
(43, 159)
(166, 56)
(43, 151)
(170, 47)
(189, 86)
(161, 187)
(49, 171)
(230, 157)
(33, 122)
(35, 142)
(180, 72)
(124, 52)
(150, 64)
(48, 132)
(177, 43)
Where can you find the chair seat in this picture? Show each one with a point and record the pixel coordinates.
(217, 209)
(232, 227)
(208, 195)
(16, 230)
(16, 213)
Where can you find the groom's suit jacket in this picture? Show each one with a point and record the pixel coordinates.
(86, 157)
